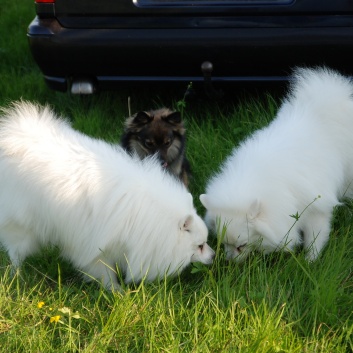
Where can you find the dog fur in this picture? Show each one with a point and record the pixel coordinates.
(100, 206)
(279, 188)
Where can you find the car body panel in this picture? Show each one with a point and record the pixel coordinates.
(114, 42)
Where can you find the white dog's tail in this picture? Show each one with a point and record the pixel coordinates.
(321, 88)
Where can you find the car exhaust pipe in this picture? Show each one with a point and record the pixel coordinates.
(82, 86)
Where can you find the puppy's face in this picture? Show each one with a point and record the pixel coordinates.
(156, 132)
(193, 236)
(242, 230)
(236, 230)
(240, 236)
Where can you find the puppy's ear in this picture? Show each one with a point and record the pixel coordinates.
(186, 222)
(205, 201)
(190, 199)
(142, 118)
(173, 118)
(255, 209)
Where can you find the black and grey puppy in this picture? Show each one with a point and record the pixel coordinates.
(160, 132)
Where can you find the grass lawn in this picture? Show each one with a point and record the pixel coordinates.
(277, 303)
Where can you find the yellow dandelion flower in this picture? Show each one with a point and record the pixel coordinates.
(40, 305)
(55, 318)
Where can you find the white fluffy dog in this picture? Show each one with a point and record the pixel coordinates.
(280, 186)
(101, 207)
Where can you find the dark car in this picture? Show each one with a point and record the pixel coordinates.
(84, 45)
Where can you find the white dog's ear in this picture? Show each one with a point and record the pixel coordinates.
(255, 209)
(191, 199)
(205, 201)
(185, 223)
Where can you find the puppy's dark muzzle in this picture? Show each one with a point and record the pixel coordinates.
(163, 161)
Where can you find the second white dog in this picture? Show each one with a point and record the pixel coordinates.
(101, 207)
(283, 182)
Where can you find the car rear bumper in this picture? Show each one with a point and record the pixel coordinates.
(107, 56)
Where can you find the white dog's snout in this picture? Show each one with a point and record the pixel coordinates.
(204, 254)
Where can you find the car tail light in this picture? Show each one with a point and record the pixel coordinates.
(44, 1)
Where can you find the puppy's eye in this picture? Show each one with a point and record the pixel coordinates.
(168, 143)
(148, 144)
(241, 247)
(201, 247)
